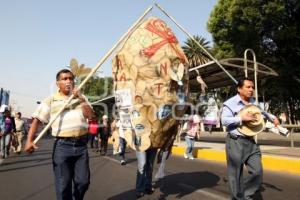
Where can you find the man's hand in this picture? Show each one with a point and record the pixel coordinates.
(78, 95)
(248, 117)
(30, 147)
(87, 110)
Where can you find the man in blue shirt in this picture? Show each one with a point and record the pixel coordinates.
(240, 149)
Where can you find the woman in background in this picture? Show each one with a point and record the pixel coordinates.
(191, 133)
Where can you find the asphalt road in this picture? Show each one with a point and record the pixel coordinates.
(30, 177)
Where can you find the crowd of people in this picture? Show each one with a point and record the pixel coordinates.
(99, 134)
(12, 132)
(77, 127)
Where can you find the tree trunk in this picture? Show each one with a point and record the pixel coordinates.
(292, 111)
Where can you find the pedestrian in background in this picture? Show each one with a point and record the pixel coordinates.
(70, 155)
(20, 132)
(191, 133)
(104, 134)
(7, 131)
(122, 142)
(2, 124)
(93, 131)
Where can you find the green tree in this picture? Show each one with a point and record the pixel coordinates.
(271, 28)
(98, 88)
(195, 55)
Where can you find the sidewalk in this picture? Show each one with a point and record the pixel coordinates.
(274, 158)
(265, 138)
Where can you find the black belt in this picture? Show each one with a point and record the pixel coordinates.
(78, 139)
(235, 137)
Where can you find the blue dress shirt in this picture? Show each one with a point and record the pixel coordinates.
(231, 108)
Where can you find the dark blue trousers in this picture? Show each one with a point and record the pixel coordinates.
(71, 168)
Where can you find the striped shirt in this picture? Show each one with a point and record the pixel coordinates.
(70, 123)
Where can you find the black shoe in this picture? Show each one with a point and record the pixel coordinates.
(139, 195)
(149, 191)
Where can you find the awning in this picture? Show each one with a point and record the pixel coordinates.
(215, 77)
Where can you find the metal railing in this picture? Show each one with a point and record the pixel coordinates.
(292, 127)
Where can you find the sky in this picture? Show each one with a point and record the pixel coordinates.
(38, 38)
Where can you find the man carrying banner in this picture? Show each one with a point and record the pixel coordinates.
(70, 154)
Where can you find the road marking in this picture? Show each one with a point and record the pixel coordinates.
(203, 192)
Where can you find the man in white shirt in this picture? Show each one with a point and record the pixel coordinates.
(20, 132)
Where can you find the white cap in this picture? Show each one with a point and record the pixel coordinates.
(3, 108)
(104, 117)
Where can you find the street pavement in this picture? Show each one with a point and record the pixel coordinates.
(30, 177)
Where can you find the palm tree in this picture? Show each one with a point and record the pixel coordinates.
(79, 71)
(196, 56)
